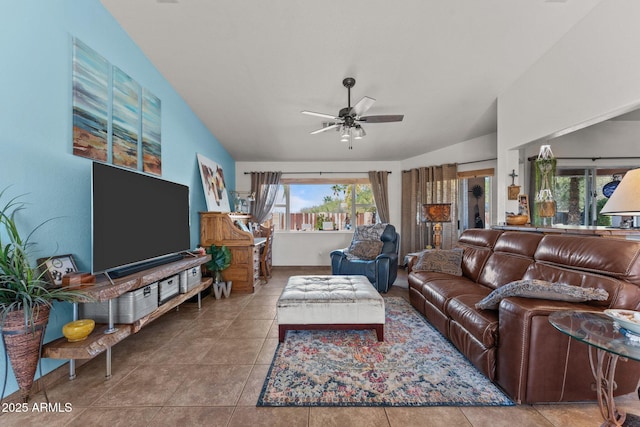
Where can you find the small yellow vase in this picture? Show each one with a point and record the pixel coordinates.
(78, 330)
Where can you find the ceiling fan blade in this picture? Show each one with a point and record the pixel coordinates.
(382, 119)
(325, 116)
(326, 128)
(362, 106)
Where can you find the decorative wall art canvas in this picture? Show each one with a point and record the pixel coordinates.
(114, 119)
(215, 189)
(90, 102)
(125, 120)
(151, 133)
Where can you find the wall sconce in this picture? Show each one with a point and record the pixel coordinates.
(436, 213)
(625, 200)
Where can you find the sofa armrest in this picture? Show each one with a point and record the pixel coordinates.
(388, 256)
(538, 363)
(411, 261)
(337, 256)
(338, 252)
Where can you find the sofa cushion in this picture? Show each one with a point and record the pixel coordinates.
(439, 288)
(502, 268)
(533, 288)
(440, 261)
(518, 243)
(610, 257)
(364, 249)
(481, 324)
(473, 261)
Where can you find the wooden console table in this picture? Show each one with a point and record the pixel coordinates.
(103, 290)
(619, 233)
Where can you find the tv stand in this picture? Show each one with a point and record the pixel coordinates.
(145, 265)
(104, 290)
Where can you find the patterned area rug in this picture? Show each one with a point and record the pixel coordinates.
(415, 366)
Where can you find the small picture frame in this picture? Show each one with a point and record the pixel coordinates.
(523, 206)
(513, 192)
(57, 266)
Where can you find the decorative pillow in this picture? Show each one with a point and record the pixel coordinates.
(242, 226)
(440, 261)
(369, 232)
(534, 288)
(364, 249)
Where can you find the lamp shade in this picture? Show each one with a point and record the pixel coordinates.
(625, 200)
(436, 212)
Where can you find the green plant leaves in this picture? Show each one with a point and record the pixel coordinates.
(22, 287)
(220, 258)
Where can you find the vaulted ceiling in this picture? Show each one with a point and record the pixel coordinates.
(247, 68)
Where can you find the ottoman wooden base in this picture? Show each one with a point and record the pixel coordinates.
(330, 302)
(282, 329)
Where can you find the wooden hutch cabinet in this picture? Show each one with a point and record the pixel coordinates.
(218, 229)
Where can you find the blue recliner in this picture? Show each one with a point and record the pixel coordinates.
(381, 271)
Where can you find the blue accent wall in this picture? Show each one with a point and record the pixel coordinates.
(36, 129)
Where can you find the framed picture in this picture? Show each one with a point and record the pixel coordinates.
(514, 191)
(57, 266)
(215, 188)
(523, 206)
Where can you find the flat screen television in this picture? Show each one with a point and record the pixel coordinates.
(138, 220)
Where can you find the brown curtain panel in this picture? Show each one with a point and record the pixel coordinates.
(265, 187)
(433, 184)
(380, 189)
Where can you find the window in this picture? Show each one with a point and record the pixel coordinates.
(321, 205)
(579, 194)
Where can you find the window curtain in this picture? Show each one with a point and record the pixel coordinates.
(264, 185)
(380, 189)
(433, 184)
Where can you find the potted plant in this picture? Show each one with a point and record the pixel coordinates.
(25, 298)
(220, 260)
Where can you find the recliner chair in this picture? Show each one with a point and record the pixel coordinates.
(381, 271)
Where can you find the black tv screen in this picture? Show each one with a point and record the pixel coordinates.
(136, 218)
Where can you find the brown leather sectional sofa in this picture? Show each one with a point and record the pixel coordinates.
(516, 346)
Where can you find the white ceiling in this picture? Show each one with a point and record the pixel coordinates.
(248, 67)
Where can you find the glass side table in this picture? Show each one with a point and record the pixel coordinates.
(606, 346)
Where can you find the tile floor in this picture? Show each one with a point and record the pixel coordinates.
(206, 367)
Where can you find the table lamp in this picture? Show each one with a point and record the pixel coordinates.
(625, 200)
(436, 213)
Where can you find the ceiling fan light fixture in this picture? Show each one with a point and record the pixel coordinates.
(348, 118)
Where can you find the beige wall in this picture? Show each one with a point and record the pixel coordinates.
(592, 73)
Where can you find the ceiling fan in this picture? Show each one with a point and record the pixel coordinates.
(349, 119)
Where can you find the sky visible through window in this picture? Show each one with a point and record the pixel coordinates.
(306, 196)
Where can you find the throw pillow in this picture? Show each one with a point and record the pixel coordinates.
(364, 249)
(369, 232)
(242, 226)
(534, 288)
(440, 261)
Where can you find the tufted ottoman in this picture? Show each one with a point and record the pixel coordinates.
(330, 302)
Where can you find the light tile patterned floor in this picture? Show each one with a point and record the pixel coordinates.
(206, 367)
